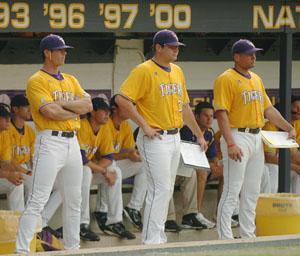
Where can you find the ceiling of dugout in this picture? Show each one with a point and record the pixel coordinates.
(87, 50)
(217, 47)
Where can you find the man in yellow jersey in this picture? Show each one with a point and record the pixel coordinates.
(11, 180)
(193, 181)
(128, 161)
(270, 179)
(22, 137)
(241, 104)
(94, 139)
(56, 100)
(157, 88)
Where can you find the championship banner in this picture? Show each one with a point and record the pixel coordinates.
(149, 16)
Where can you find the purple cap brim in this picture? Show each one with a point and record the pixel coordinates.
(63, 47)
(176, 44)
(254, 50)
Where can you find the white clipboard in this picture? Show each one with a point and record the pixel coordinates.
(193, 155)
(278, 139)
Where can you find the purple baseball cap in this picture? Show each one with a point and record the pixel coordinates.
(53, 42)
(166, 37)
(244, 46)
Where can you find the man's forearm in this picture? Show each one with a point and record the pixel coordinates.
(128, 107)
(96, 167)
(295, 156)
(273, 115)
(80, 106)
(3, 173)
(125, 154)
(271, 158)
(56, 112)
(121, 156)
(6, 166)
(224, 126)
(295, 167)
(104, 162)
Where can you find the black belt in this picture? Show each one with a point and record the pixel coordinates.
(171, 131)
(63, 134)
(249, 130)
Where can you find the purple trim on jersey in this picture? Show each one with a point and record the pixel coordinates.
(85, 160)
(57, 76)
(109, 156)
(45, 105)
(167, 69)
(246, 76)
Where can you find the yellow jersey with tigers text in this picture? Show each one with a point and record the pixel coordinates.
(244, 99)
(43, 89)
(91, 142)
(123, 137)
(159, 95)
(22, 144)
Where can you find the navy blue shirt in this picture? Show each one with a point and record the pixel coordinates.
(209, 136)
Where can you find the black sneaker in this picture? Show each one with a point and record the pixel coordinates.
(134, 216)
(60, 231)
(190, 221)
(53, 232)
(86, 234)
(235, 217)
(171, 226)
(119, 230)
(101, 218)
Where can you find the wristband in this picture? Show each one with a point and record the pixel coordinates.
(231, 145)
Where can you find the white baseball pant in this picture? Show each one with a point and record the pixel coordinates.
(55, 157)
(274, 177)
(265, 185)
(241, 178)
(27, 182)
(295, 182)
(128, 169)
(161, 159)
(15, 195)
(113, 193)
(188, 189)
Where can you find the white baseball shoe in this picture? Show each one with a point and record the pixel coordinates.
(234, 223)
(205, 222)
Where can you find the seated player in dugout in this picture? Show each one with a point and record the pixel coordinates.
(111, 220)
(193, 186)
(128, 160)
(22, 138)
(270, 178)
(93, 139)
(204, 114)
(186, 178)
(11, 179)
